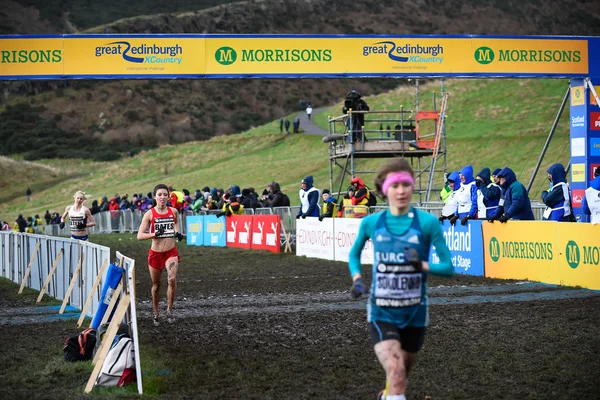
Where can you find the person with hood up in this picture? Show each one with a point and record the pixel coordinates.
(558, 198)
(516, 199)
(346, 201)
(277, 197)
(466, 197)
(362, 195)
(451, 203)
(329, 206)
(309, 199)
(488, 194)
(591, 200)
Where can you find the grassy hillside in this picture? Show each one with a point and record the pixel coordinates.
(491, 123)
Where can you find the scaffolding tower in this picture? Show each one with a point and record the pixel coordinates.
(407, 137)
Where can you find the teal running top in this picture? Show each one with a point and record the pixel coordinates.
(398, 225)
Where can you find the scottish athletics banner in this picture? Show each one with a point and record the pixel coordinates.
(295, 56)
(466, 246)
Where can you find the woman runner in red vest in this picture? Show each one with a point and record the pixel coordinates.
(161, 225)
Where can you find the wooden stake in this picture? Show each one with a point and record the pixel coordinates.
(109, 336)
(287, 240)
(60, 253)
(91, 295)
(71, 285)
(37, 247)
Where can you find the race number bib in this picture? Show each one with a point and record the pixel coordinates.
(397, 286)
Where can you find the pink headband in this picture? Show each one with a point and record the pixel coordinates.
(397, 177)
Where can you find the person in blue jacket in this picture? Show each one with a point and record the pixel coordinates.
(309, 199)
(515, 201)
(397, 309)
(466, 196)
(488, 194)
(558, 198)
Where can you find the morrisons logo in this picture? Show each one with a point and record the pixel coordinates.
(573, 254)
(520, 250)
(31, 56)
(228, 56)
(485, 55)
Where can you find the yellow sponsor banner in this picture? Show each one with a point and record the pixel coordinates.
(521, 250)
(592, 98)
(27, 57)
(578, 252)
(578, 173)
(577, 96)
(390, 55)
(172, 55)
(112, 55)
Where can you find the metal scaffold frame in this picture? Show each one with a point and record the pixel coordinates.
(426, 151)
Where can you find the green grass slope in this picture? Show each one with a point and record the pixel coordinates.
(491, 123)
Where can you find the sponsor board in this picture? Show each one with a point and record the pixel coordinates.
(466, 246)
(578, 251)
(520, 250)
(592, 169)
(595, 121)
(315, 238)
(107, 56)
(135, 55)
(594, 146)
(27, 57)
(345, 231)
(266, 233)
(239, 231)
(214, 231)
(577, 96)
(194, 232)
(577, 195)
(578, 173)
(578, 147)
(577, 121)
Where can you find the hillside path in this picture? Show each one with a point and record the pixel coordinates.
(308, 126)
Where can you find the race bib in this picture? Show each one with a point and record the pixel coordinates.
(397, 286)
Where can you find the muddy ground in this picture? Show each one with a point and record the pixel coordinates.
(256, 325)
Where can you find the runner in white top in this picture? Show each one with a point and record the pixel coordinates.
(80, 217)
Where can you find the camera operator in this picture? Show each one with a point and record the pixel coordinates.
(356, 103)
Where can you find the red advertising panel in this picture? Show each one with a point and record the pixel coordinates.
(265, 233)
(578, 195)
(239, 231)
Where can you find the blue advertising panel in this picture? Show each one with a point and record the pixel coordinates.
(194, 230)
(214, 231)
(585, 142)
(466, 246)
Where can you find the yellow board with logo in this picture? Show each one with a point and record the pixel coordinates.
(389, 55)
(201, 56)
(521, 250)
(578, 255)
(31, 57)
(110, 55)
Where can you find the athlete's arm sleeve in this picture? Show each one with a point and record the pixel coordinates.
(361, 238)
(444, 267)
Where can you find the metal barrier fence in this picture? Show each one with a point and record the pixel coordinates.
(128, 221)
(17, 251)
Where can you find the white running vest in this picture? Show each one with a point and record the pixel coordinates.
(304, 198)
(566, 203)
(75, 217)
(464, 198)
(592, 197)
(451, 205)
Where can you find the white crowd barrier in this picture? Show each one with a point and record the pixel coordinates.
(17, 251)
